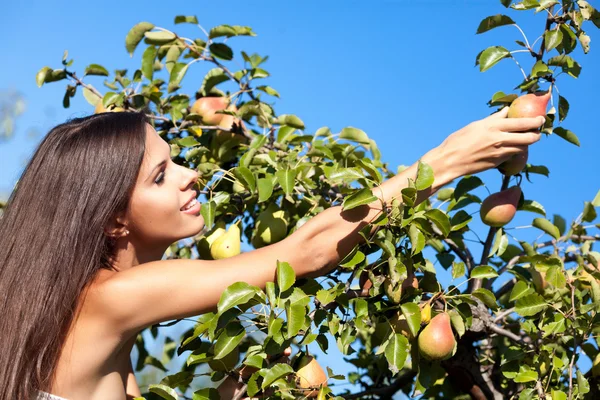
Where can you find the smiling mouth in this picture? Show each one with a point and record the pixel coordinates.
(189, 205)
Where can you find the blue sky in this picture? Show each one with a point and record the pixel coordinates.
(403, 71)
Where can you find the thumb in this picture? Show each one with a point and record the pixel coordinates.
(500, 114)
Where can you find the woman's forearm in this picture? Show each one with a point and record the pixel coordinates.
(334, 233)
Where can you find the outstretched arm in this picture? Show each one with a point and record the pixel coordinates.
(170, 289)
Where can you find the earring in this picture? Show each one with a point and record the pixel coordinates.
(125, 233)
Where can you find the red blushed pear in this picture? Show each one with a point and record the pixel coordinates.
(530, 105)
(527, 106)
(500, 208)
(515, 164)
(207, 107)
(436, 341)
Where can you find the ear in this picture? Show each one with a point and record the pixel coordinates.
(117, 227)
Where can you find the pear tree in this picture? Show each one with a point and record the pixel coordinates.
(515, 322)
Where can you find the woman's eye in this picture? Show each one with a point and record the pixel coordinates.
(160, 178)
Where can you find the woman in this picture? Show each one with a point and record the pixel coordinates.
(83, 234)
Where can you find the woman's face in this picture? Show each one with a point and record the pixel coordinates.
(157, 210)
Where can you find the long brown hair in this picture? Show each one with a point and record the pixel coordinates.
(52, 240)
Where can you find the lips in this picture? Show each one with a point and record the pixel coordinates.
(189, 201)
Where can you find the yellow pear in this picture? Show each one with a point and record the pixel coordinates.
(310, 376)
(596, 366)
(271, 226)
(426, 313)
(228, 244)
(101, 109)
(203, 244)
(400, 325)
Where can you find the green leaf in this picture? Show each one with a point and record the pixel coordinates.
(229, 339)
(567, 135)
(417, 239)
(221, 50)
(110, 98)
(424, 176)
(505, 3)
(546, 226)
(563, 108)
(135, 36)
(500, 243)
(159, 38)
(553, 38)
(521, 289)
(596, 201)
(445, 194)
(177, 74)
(567, 63)
(458, 269)
(355, 135)
(40, 77)
(296, 314)
(412, 313)
(190, 19)
(460, 220)
(582, 384)
(491, 56)
(465, 185)
(396, 352)
(290, 120)
(533, 206)
(236, 294)
(95, 69)
(494, 22)
(277, 371)
(286, 179)
(148, 62)
(163, 391)
(268, 90)
(172, 57)
(359, 198)
(457, 322)
(265, 189)
(483, 271)
(206, 394)
(246, 177)
(487, 297)
(221, 30)
(526, 374)
(530, 305)
(90, 96)
(286, 277)
(213, 77)
(325, 296)
(208, 212)
(440, 219)
(555, 277)
(558, 395)
(554, 328)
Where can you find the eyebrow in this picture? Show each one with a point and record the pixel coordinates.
(163, 162)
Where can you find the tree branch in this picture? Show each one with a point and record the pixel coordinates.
(405, 377)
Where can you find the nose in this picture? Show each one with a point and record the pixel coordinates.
(190, 177)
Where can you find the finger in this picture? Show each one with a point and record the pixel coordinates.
(515, 150)
(522, 138)
(498, 114)
(520, 124)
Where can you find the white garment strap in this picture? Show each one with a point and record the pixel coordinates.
(48, 396)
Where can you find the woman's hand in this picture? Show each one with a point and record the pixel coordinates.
(486, 143)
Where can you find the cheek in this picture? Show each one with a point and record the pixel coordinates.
(153, 210)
